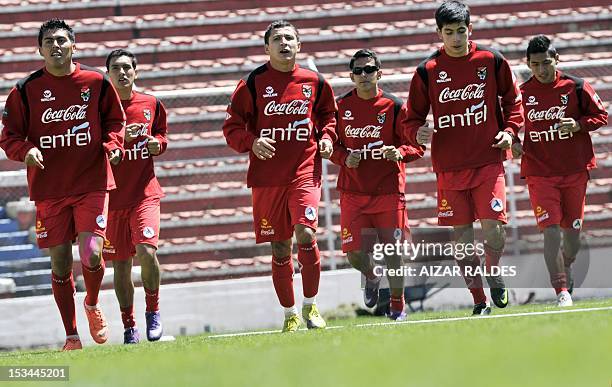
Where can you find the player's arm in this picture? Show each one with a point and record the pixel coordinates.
(158, 141)
(112, 121)
(325, 120)
(417, 108)
(236, 125)
(595, 115)
(511, 105)
(15, 132)
(405, 150)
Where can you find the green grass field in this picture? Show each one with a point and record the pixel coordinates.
(568, 349)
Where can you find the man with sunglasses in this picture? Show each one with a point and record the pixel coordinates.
(477, 113)
(283, 115)
(372, 176)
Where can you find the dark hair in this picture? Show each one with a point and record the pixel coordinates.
(539, 44)
(120, 52)
(279, 24)
(365, 53)
(53, 25)
(451, 12)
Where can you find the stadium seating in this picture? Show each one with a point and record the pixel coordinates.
(181, 45)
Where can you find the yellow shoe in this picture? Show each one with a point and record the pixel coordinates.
(292, 323)
(313, 318)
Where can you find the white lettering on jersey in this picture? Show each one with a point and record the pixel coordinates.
(549, 135)
(368, 131)
(472, 116)
(72, 137)
(138, 151)
(369, 151)
(471, 91)
(293, 131)
(552, 113)
(296, 107)
(71, 113)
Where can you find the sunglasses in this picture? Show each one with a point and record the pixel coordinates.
(366, 69)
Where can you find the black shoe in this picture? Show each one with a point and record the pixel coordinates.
(499, 292)
(370, 292)
(481, 309)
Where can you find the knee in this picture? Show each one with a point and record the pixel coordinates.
(304, 234)
(495, 236)
(147, 255)
(281, 250)
(122, 270)
(354, 258)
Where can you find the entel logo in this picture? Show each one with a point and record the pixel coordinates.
(71, 137)
(549, 135)
(138, 151)
(471, 116)
(293, 131)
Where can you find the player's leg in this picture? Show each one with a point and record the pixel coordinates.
(90, 212)
(455, 209)
(573, 199)
(124, 290)
(489, 201)
(282, 277)
(144, 229)
(303, 202)
(464, 234)
(55, 230)
(570, 249)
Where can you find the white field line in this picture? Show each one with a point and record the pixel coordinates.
(428, 321)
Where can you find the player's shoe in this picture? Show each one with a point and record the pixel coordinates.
(482, 309)
(397, 316)
(370, 292)
(131, 336)
(312, 317)
(154, 326)
(499, 292)
(564, 299)
(292, 323)
(97, 323)
(72, 343)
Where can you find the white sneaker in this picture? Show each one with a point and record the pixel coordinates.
(564, 299)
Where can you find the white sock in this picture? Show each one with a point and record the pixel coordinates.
(310, 300)
(292, 310)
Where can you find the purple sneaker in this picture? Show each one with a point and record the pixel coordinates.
(397, 316)
(131, 336)
(154, 326)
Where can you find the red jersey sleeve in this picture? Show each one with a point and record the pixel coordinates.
(112, 118)
(14, 134)
(160, 127)
(408, 151)
(325, 113)
(340, 154)
(511, 104)
(594, 115)
(417, 108)
(239, 114)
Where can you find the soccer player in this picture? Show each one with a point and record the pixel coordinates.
(561, 111)
(372, 176)
(283, 115)
(66, 123)
(462, 82)
(134, 211)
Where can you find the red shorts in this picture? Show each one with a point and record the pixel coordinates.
(276, 210)
(558, 200)
(60, 220)
(487, 200)
(132, 226)
(362, 215)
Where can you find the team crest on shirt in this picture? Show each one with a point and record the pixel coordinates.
(307, 91)
(564, 98)
(481, 72)
(380, 117)
(147, 114)
(85, 93)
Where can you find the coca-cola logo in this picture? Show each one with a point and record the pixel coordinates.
(471, 91)
(296, 107)
(368, 131)
(552, 113)
(71, 113)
